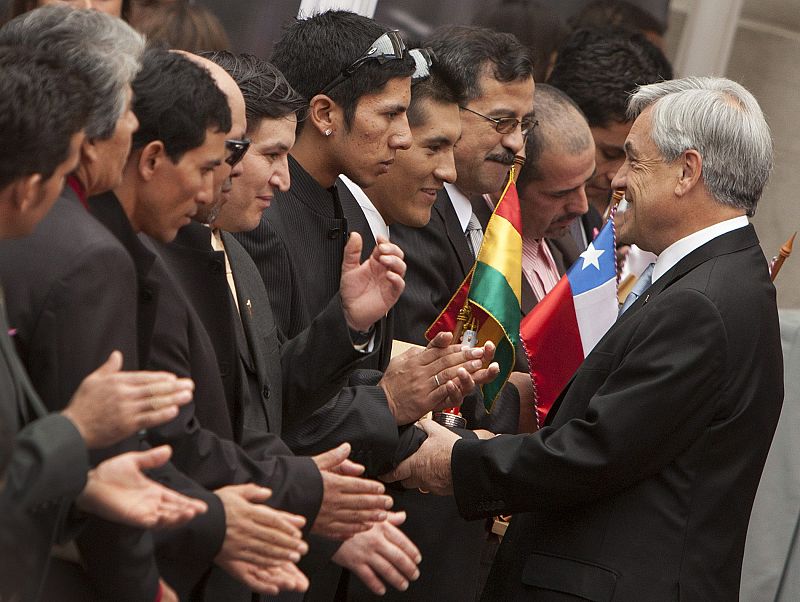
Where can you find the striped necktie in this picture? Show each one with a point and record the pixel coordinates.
(474, 234)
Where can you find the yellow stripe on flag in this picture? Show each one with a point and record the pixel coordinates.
(502, 249)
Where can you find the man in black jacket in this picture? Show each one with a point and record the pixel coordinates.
(44, 109)
(625, 493)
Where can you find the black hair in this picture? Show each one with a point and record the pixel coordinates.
(562, 125)
(618, 13)
(437, 87)
(312, 52)
(266, 92)
(176, 101)
(534, 23)
(43, 104)
(600, 68)
(464, 51)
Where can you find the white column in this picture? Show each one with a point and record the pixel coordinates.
(362, 7)
(708, 37)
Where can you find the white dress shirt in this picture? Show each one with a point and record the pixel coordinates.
(681, 248)
(375, 220)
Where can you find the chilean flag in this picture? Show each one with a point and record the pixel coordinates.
(563, 327)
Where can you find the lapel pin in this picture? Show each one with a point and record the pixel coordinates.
(249, 308)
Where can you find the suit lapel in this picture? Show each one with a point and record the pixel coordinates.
(455, 233)
(356, 220)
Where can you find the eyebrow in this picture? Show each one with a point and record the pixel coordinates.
(629, 148)
(213, 163)
(399, 108)
(277, 146)
(437, 140)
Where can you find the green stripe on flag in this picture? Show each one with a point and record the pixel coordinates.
(490, 291)
(505, 357)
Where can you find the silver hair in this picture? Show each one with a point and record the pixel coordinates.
(104, 49)
(723, 122)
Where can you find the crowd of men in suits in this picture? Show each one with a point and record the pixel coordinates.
(206, 261)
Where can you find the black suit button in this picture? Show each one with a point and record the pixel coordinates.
(334, 232)
(147, 294)
(265, 392)
(223, 369)
(217, 267)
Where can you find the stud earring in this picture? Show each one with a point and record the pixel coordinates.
(328, 132)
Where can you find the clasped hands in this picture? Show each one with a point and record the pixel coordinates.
(419, 381)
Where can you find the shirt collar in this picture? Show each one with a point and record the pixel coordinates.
(461, 204)
(374, 218)
(681, 248)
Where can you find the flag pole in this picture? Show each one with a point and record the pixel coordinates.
(783, 254)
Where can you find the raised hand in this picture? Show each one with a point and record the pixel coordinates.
(111, 405)
(117, 490)
(350, 504)
(382, 554)
(437, 377)
(260, 542)
(370, 289)
(429, 467)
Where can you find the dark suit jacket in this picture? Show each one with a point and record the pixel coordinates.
(298, 249)
(640, 485)
(71, 295)
(185, 554)
(46, 473)
(438, 259)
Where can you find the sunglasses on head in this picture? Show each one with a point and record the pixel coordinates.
(423, 59)
(236, 150)
(387, 47)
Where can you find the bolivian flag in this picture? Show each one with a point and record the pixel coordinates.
(488, 300)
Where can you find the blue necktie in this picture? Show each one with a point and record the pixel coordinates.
(642, 284)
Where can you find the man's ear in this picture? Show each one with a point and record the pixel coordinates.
(691, 166)
(324, 114)
(150, 159)
(27, 192)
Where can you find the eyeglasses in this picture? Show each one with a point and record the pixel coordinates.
(506, 125)
(236, 150)
(387, 47)
(424, 59)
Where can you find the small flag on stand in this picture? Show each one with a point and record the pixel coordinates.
(563, 327)
(486, 305)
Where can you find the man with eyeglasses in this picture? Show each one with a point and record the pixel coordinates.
(356, 77)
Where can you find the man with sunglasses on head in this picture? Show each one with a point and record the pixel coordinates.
(356, 77)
